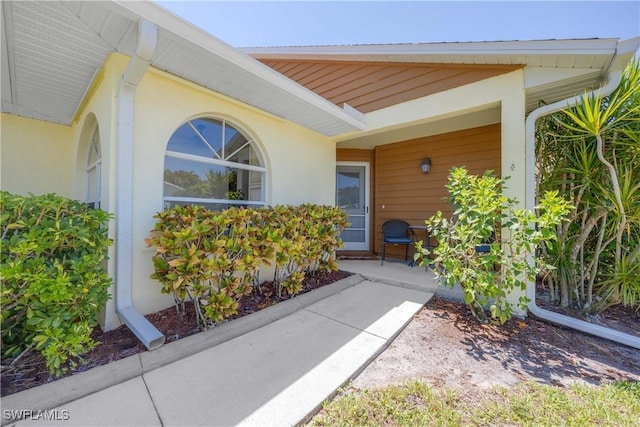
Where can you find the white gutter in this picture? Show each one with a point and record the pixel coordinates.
(515, 47)
(138, 64)
(614, 78)
(216, 47)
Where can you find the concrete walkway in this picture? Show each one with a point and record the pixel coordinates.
(394, 272)
(276, 374)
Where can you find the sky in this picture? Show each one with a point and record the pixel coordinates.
(309, 23)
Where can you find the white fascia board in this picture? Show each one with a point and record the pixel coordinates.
(535, 47)
(217, 47)
(625, 51)
(541, 76)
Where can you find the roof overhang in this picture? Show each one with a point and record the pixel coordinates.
(554, 69)
(51, 52)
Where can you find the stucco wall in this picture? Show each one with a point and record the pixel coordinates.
(39, 157)
(35, 157)
(300, 163)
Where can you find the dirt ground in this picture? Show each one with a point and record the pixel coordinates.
(445, 346)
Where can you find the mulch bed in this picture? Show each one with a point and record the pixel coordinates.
(618, 317)
(119, 343)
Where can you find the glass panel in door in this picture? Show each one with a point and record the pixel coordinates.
(352, 196)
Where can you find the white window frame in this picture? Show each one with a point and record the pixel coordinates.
(221, 161)
(94, 167)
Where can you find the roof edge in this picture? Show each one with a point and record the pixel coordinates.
(191, 33)
(517, 47)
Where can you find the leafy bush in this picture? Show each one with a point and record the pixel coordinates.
(213, 258)
(309, 239)
(473, 251)
(53, 279)
(209, 257)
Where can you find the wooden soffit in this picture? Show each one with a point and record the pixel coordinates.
(370, 86)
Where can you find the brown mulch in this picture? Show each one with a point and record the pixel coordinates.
(618, 317)
(31, 371)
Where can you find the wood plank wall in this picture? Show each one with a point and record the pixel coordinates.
(402, 191)
(369, 86)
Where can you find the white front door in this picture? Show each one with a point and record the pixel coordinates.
(352, 195)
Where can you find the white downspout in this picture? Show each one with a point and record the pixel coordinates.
(614, 79)
(138, 64)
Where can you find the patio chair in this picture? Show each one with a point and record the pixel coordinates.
(397, 232)
(485, 246)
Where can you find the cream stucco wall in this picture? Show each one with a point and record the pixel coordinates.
(98, 110)
(35, 157)
(39, 157)
(300, 162)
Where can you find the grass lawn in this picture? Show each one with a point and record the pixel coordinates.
(415, 403)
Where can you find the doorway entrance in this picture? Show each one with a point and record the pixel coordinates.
(352, 195)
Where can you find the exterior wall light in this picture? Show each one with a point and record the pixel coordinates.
(425, 165)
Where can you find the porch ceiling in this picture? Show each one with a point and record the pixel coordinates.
(488, 115)
(52, 50)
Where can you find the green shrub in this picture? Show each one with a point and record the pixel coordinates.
(485, 218)
(309, 239)
(209, 257)
(53, 280)
(213, 258)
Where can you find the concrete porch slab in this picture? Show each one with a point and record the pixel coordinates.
(393, 272)
(372, 307)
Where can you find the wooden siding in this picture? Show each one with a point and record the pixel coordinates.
(355, 155)
(370, 86)
(406, 193)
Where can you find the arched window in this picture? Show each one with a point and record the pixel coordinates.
(211, 163)
(93, 171)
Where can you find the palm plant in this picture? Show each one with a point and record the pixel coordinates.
(591, 154)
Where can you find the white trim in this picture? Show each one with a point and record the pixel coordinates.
(94, 164)
(366, 245)
(217, 162)
(215, 46)
(507, 48)
(221, 201)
